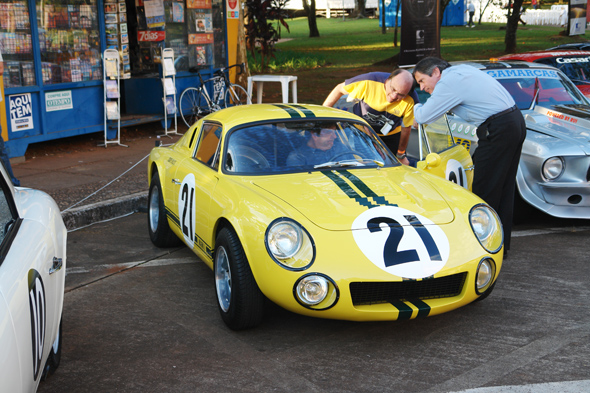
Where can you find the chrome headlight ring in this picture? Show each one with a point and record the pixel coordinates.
(487, 227)
(289, 244)
(316, 291)
(552, 168)
(484, 277)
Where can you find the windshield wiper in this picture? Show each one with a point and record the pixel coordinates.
(347, 163)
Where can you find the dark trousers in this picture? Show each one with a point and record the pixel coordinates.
(391, 141)
(496, 163)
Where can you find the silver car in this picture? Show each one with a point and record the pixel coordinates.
(554, 171)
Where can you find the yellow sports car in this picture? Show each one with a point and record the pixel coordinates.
(305, 206)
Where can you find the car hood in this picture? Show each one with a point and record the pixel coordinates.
(334, 199)
(567, 122)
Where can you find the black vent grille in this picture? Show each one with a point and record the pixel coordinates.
(387, 292)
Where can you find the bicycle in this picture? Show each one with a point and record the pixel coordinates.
(196, 102)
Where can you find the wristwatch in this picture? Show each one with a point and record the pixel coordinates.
(401, 156)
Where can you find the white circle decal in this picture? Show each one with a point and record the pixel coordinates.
(455, 173)
(186, 209)
(401, 242)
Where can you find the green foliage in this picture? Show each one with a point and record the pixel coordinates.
(360, 43)
(261, 34)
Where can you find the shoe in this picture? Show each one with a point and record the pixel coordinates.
(466, 25)
(472, 26)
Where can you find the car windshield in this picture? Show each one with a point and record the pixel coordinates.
(575, 67)
(303, 146)
(554, 87)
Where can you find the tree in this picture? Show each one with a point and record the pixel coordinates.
(261, 35)
(360, 8)
(310, 10)
(483, 5)
(512, 25)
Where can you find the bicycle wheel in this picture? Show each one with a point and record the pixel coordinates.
(235, 95)
(193, 105)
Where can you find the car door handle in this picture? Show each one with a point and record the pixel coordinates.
(470, 168)
(175, 181)
(56, 266)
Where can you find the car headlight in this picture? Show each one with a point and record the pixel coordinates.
(485, 275)
(487, 227)
(553, 168)
(289, 244)
(316, 291)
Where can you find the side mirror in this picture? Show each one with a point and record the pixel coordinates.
(433, 160)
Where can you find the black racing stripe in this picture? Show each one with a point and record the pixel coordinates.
(358, 183)
(342, 184)
(423, 308)
(405, 311)
(292, 112)
(173, 217)
(307, 112)
(382, 201)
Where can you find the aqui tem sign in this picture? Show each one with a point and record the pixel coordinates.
(58, 100)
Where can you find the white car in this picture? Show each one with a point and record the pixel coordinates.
(32, 276)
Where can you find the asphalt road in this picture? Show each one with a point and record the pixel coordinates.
(142, 319)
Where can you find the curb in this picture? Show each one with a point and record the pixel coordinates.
(85, 215)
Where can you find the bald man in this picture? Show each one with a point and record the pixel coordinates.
(386, 101)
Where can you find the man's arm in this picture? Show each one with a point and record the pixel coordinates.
(335, 95)
(404, 138)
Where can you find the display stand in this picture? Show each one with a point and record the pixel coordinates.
(112, 94)
(169, 90)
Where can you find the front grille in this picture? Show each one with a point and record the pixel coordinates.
(387, 292)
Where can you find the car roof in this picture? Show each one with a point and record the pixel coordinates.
(508, 64)
(576, 45)
(532, 56)
(244, 114)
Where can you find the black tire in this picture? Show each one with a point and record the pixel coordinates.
(160, 233)
(240, 301)
(239, 96)
(54, 356)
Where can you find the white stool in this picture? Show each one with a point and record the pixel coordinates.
(284, 79)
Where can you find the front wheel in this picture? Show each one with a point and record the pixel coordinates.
(193, 105)
(240, 301)
(160, 233)
(54, 357)
(236, 95)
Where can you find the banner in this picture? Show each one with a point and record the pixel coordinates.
(577, 17)
(420, 31)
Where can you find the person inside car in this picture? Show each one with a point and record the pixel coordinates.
(321, 147)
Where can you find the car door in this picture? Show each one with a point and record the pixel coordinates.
(29, 293)
(196, 178)
(441, 155)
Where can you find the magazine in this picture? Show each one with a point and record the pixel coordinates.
(112, 110)
(170, 105)
(112, 89)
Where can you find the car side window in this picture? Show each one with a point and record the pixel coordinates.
(208, 150)
(6, 216)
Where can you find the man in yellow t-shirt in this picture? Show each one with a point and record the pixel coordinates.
(386, 102)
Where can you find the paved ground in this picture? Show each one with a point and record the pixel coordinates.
(142, 319)
(90, 182)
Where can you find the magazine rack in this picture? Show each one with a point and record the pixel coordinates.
(169, 90)
(112, 95)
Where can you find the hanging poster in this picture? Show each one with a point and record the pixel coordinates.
(21, 112)
(154, 13)
(420, 31)
(233, 12)
(201, 4)
(177, 12)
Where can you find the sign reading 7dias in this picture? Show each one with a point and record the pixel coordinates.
(58, 100)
